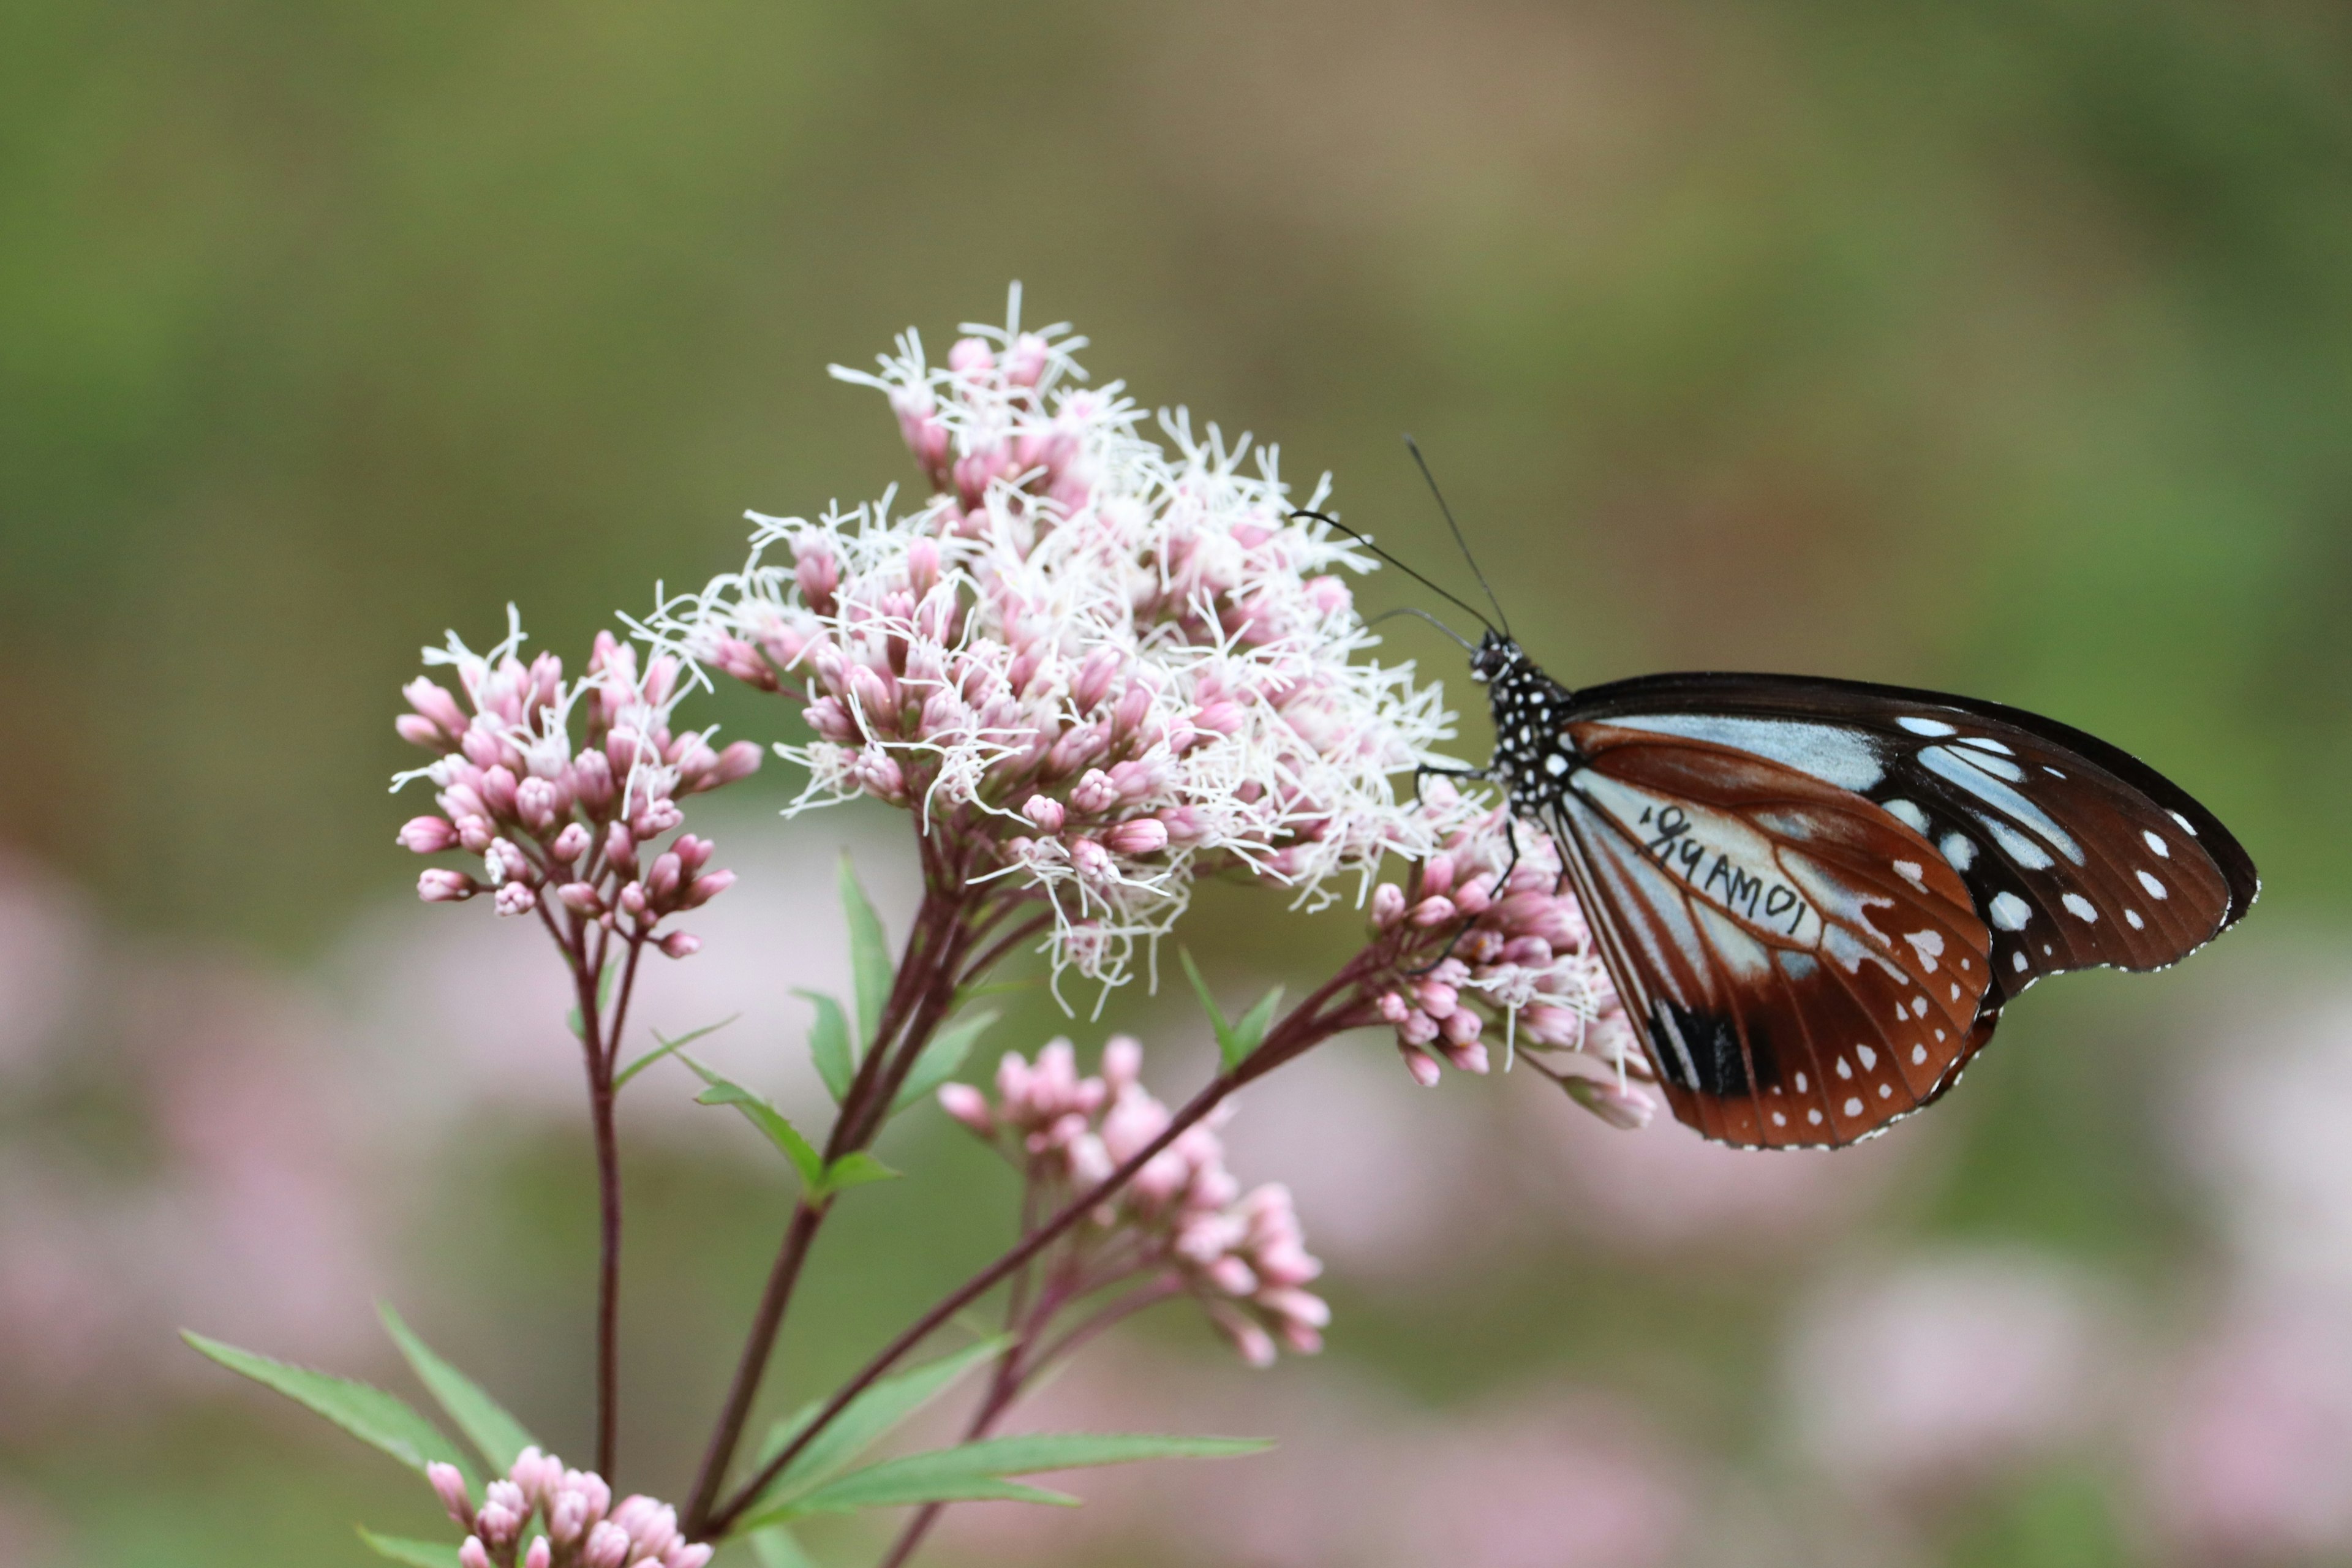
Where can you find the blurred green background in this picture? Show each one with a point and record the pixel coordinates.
(2003, 347)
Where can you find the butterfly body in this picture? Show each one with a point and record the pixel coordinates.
(1816, 896)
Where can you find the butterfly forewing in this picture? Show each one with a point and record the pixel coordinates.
(2075, 854)
(1803, 965)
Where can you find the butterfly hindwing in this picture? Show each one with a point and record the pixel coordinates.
(2076, 854)
(1803, 967)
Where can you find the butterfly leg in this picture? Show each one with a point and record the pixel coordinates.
(1445, 773)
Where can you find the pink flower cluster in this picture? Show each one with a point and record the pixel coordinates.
(1517, 953)
(548, 821)
(1183, 1217)
(1092, 664)
(582, 1528)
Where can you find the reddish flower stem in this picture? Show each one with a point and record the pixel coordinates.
(1306, 1025)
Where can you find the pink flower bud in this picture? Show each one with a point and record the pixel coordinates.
(1436, 875)
(969, 1106)
(1255, 1345)
(540, 1556)
(1141, 835)
(450, 1486)
(1095, 792)
(874, 696)
(661, 882)
(592, 781)
(607, 1547)
(818, 574)
(445, 887)
(830, 717)
(1183, 824)
(1122, 1061)
(570, 845)
(621, 847)
(1473, 896)
(1423, 1067)
(1625, 1108)
(419, 731)
(1094, 677)
(1388, 906)
(1394, 1008)
(1223, 718)
(1025, 362)
(580, 898)
(970, 357)
(1092, 862)
(705, 887)
(922, 567)
(1460, 1027)
(431, 700)
(472, 1553)
(881, 777)
(498, 1526)
(428, 835)
(1436, 998)
(680, 944)
(632, 901)
(693, 1556)
(1432, 912)
(516, 898)
(537, 802)
(1046, 811)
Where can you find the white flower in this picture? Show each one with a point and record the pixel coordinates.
(1095, 665)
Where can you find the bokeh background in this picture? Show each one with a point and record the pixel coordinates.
(2003, 345)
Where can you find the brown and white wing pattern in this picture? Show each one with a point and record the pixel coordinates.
(1805, 966)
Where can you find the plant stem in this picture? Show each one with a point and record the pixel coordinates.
(1306, 1026)
(599, 1044)
(924, 989)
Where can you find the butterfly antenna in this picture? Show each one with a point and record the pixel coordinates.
(1415, 611)
(1366, 541)
(1422, 463)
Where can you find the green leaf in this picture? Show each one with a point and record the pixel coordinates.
(869, 954)
(776, 1548)
(854, 1169)
(416, 1553)
(643, 1062)
(764, 1116)
(1229, 1044)
(940, 1058)
(866, 1420)
(499, 1436)
(371, 1414)
(1250, 1033)
(829, 1046)
(977, 1470)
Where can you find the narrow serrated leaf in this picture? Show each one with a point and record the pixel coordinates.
(1229, 1044)
(415, 1554)
(772, 1123)
(829, 1045)
(486, 1424)
(854, 1169)
(1250, 1033)
(666, 1046)
(776, 1548)
(940, 1060)
(879, 1487)
(977, 1470)
(869, 954)
(381, 1420)
(867, 1419)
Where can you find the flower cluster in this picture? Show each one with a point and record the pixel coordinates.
(546, 820)
(1093, 664)
(1183, 1218)
(582, 1527)
(1517, 952)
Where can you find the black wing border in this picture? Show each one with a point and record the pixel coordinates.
(1699, 692)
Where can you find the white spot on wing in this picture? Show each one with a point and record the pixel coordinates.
(1912, 872)
(1844, 1069)
(1910, 816)
(1926, 726)
(1853, 1105)
(1869, 1058)
(1974, 774)
(1887, 1091)
(1814, 1117)
(2010, 912)
(2081, 907)
(1800, 1083)
(2017, 846)
(1555, 764)
(2132, 918)
(2186, 825)
(1919, 1006)
(2157, 842)
(2156, 889)
(2017, 961)
(1846, 758)
(1986, 742)
(1928, 946)
(1918, 1055)
(1960, 850)
(1778, 1120)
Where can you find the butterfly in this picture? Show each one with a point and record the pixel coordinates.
(1816, 896)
